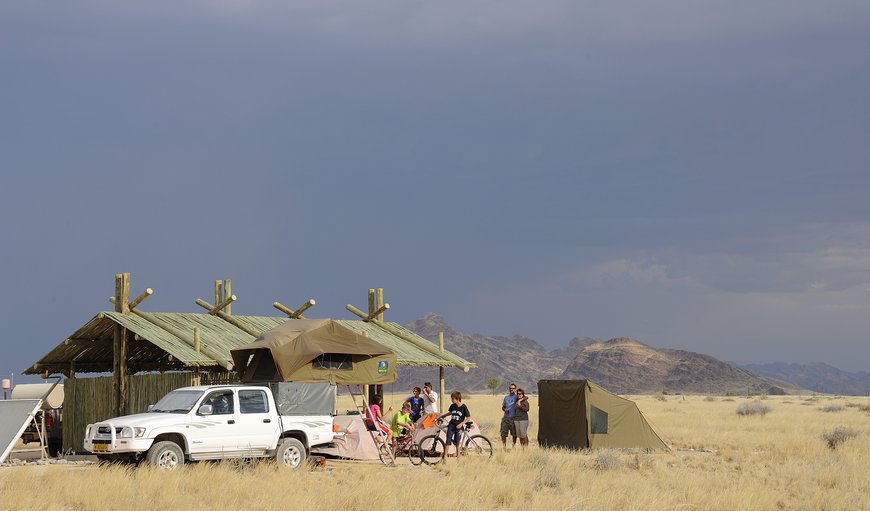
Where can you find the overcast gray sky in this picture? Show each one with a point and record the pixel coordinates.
(691, 174)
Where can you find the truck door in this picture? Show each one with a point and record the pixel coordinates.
(216, 433)
(258, 424)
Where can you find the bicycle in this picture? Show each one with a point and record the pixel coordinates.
(471, 445)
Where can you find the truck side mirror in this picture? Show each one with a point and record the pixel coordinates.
(205, 410)
(150, 407)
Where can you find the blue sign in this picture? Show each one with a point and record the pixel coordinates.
(383, 366)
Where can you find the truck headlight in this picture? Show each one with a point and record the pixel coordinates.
(126, 432)
(138, 432)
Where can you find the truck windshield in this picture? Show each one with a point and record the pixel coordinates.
(177, 401)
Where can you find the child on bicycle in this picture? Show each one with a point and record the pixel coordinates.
(459, 416)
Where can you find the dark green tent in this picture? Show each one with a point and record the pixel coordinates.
(579, 414)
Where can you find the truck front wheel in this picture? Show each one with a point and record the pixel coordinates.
(165, 455)
(290, 453)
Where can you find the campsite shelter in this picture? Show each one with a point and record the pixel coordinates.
(579, 414)
(186, 349)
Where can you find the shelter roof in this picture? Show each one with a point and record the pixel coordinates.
(153, 347)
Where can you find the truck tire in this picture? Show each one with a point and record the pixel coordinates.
(290, 453)
(165, 455)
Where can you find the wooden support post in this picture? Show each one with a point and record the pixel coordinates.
(218, 291)
(379, 312)
(119, 349)
(294, 314)
(441, 375)
(379, 315)
(197, 347)
(139, 299)
(228, 292)
(224, 305)
(379, 303)
(229, 319)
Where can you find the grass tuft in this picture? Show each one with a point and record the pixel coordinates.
(832, 408)
(754, 408)
(606, 459)
(839, 435)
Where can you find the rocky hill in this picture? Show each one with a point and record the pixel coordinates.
(510, 359)
(621, 365)
(627, 366)
(818, 376)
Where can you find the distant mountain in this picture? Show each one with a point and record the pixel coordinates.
(628, 366)
(818, 376)
(514, 359)
(621, 365)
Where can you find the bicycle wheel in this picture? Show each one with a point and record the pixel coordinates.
(385, 454)
(478, 445)
(415, 453)
(431, 448)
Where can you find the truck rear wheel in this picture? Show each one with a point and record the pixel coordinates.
(290, 453)
(165, 455)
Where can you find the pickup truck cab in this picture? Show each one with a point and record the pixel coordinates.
(213, 422)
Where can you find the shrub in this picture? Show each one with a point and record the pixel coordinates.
(839, 435)
(754, 408)
(539, 458)
(709, 398)
(832, 408)
(607, 459)
(548, 478)
(864, 408)
(661, 397)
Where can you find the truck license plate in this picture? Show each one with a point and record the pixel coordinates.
(101, 447)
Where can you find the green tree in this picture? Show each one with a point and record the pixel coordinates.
(492, 384)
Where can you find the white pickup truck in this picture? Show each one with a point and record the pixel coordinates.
(279, 420)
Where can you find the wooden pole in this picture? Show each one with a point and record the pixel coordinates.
(379, 314)
(294, 314)
(224, 305)
(218, 291)
(228, 292)
(145, 294)
(379, 303)
(372, 389)
(197, 346)
(229, 319)
(119, 349)
(441, 375)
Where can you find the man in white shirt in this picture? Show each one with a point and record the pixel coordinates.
(430, 399)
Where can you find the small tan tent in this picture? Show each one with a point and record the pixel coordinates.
(315, 350)
(579, 414)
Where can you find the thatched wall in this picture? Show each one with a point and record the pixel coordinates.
(89, 400)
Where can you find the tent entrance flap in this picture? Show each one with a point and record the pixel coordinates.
(315, 350)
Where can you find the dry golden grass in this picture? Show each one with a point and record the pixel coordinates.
(776, 461)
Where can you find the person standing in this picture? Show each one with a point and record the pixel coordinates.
(430, 398)
(521, 419)
(459, 416)
(416, 403)
(509, 407)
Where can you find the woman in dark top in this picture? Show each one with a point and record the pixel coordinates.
(521, 419)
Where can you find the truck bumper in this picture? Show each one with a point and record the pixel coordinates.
(103, 438)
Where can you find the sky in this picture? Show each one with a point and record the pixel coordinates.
(693, 175)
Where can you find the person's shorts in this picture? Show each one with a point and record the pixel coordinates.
(382, 428)
(453, 435)
(508, 426)
(522, 428)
